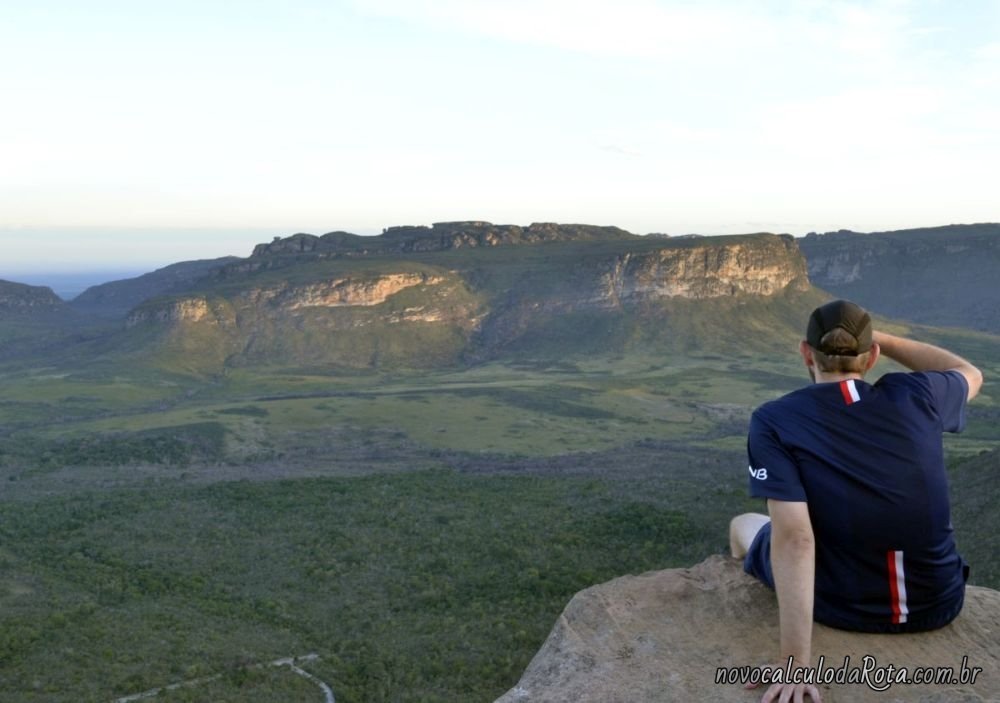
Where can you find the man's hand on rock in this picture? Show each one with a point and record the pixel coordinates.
(787, 692)
(791, 693)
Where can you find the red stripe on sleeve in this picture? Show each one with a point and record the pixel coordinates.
(890, 557)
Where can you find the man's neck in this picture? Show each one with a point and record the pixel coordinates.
(822, 377)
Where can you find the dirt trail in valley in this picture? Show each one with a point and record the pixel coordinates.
(291, 662)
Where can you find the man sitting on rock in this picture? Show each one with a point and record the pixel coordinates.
(859, 535)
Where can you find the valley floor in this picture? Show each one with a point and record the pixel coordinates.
(420, 534)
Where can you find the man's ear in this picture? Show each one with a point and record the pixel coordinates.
(873, 355)
(807, 354)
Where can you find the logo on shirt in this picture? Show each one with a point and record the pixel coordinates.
(849, 390)
(759, 474)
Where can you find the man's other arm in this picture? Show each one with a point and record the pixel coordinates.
(793, 554)
(920, 356)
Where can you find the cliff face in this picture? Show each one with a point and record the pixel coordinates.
(665, 295)
(281, 300)
(341, 292)
(412, 317)
(20, 298)
(462, 299)
(939, 276)
(184, 310)
(763, 267)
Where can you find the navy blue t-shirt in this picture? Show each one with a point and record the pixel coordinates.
(868, 460)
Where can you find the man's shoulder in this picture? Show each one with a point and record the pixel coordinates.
(789, 403)
(919, 380)
(900, 378)
(792, 398)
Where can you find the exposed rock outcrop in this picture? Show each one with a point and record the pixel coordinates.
(277, 300)
(194, 309)
(662, 636)
(763, 267)
(414, 318)
(341, 292)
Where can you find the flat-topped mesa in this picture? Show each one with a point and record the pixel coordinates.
(440, 236)
(575, 284)
(22, 298)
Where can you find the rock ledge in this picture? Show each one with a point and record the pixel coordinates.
(661, 637)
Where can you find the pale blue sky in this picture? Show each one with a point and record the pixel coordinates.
(138, 133)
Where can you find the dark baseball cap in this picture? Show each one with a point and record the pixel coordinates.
(844, 315)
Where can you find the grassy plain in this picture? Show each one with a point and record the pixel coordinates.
(419, 531)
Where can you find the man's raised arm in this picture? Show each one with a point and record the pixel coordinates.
(920, 356)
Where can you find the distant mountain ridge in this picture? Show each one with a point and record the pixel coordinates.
(438, 237)
(24, 299)
(117, 298)
(33, 320)
(945, 276)
(410, 239)
(466, 292)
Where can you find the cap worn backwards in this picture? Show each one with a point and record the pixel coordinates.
(840, 328)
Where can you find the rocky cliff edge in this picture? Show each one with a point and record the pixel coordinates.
(662, 636)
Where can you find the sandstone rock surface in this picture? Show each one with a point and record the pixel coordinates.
(764, 267)
(661, 637)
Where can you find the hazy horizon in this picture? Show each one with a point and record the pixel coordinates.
(652, 115)
(85, 265)
(93, 251)
(69, 285)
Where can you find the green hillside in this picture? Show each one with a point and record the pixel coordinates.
(116, 298)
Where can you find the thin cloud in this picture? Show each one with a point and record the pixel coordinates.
(989, 52)
(630, 28)
(661, 30)
(621, 150)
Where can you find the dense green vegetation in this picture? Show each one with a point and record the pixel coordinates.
(417, 586)
(179, 445)
(419, 532)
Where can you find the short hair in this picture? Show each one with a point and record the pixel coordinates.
(838, 338)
